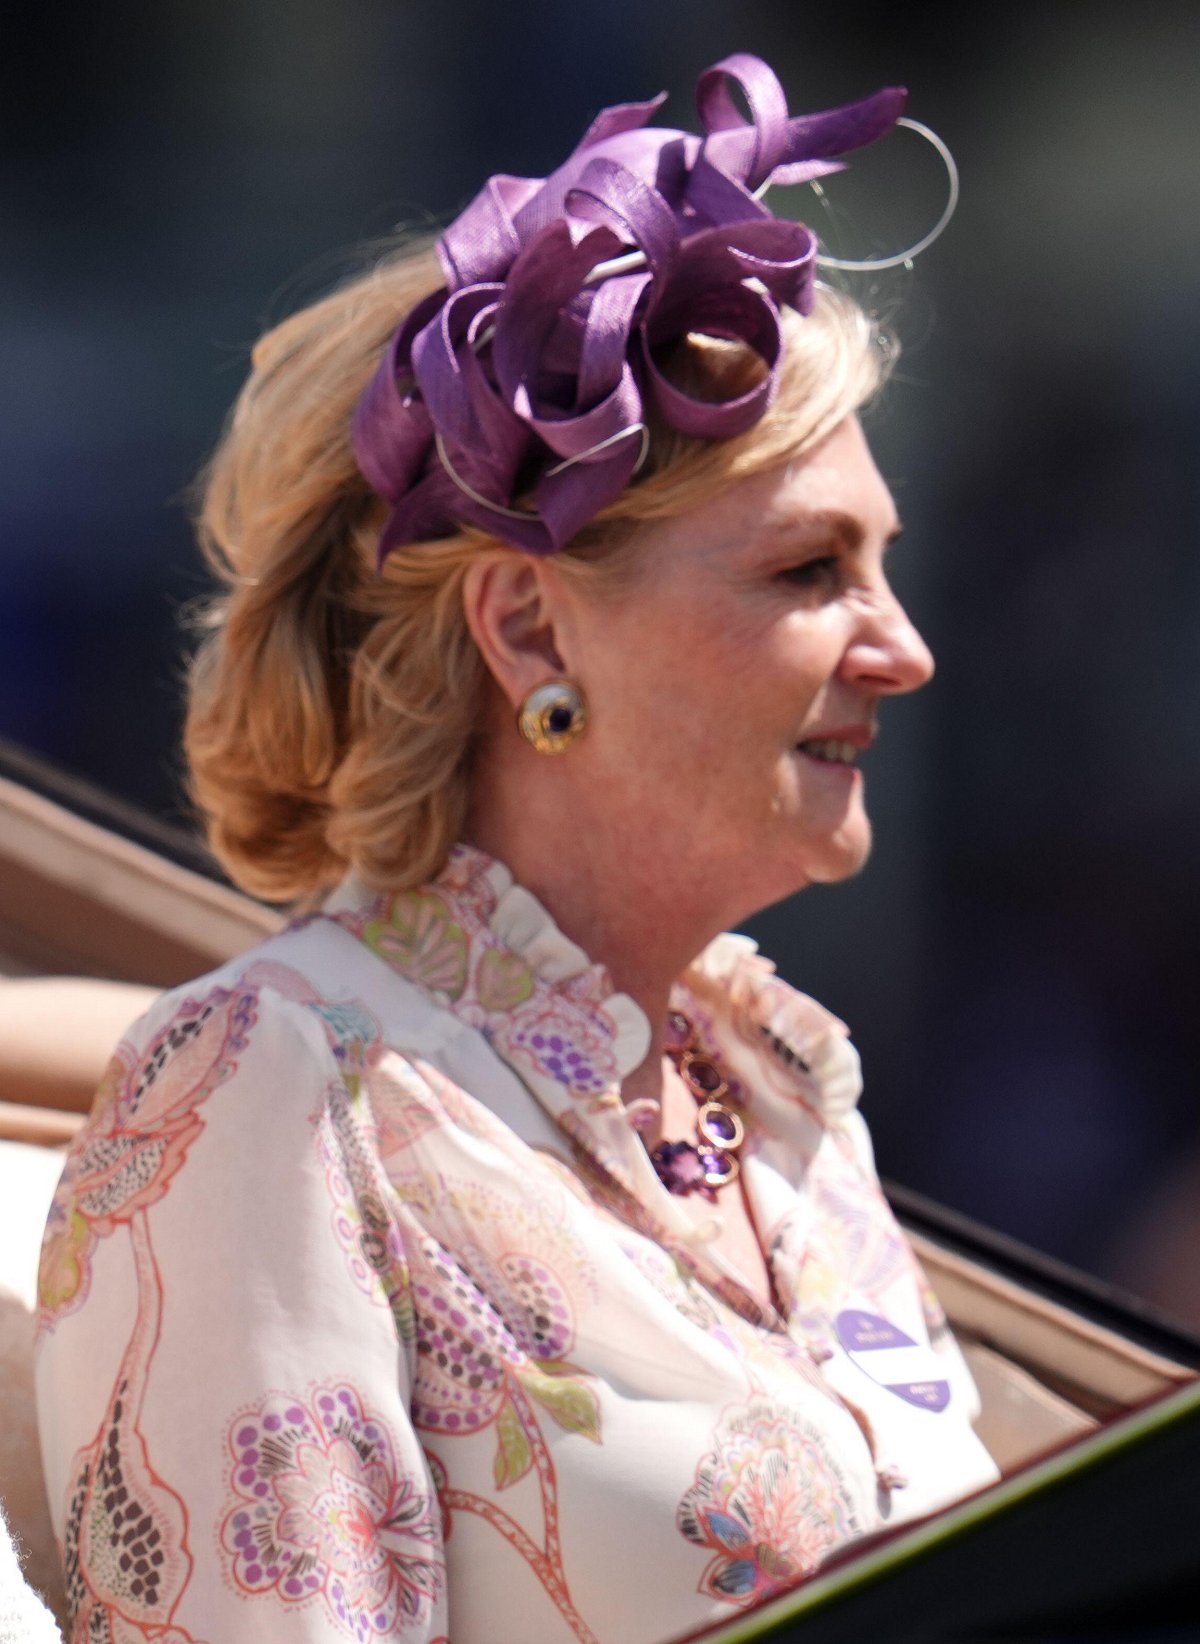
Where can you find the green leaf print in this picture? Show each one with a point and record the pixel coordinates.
(566, 1396)
(404, 1315)
(504, 980)
(420, 940)
(514, 1458)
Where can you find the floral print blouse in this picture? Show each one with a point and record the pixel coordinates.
(365, 1316)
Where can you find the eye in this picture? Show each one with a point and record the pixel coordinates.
(813, 573)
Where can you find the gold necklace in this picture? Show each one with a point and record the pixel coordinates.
(711, 1161)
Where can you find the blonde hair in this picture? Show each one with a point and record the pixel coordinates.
(333, 707)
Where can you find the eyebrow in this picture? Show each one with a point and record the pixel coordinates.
(845, 527)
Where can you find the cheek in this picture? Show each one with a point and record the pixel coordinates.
(671, 669)
(706, 681)
(716, 702)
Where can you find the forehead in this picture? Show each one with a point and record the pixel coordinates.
(835, 492)
(837, 485)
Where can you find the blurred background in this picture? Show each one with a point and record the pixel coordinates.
(1019, 961)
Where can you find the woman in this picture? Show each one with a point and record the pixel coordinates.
(473, 1260)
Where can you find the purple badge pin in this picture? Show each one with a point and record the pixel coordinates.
(861, 1332)
(926, 1395)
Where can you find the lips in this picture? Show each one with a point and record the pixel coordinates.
(830, 750)
(841, 745)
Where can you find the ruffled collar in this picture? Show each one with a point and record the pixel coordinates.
(804, 1049)
(482, 946)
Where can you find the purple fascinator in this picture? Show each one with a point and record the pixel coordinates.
(531, 372)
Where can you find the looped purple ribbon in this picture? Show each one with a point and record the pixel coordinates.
(530, 373)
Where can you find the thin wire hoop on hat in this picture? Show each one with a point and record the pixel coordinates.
(897, 259)
(568, 462)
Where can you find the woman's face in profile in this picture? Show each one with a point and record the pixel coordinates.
(734, 686)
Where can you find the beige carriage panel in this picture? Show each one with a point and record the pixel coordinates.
(1091, 1367)
(75, 897)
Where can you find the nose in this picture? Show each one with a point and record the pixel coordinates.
(888, 653)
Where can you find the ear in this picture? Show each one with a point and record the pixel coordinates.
(508, 602)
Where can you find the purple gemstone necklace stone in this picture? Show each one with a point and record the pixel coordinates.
(711, 1161)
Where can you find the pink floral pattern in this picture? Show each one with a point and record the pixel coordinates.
(435, 1237)
(853, 1243)
(539, 1041)
(418, 934)
(362, 1208)
(137, 1137)
(126, 1561)
(442, 940)
(768, 1501)
(464, 1349)
(322, 1513)
(475, 1369)
(545, 1327)
(410, 1097)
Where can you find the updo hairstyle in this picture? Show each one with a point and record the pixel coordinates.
(333, 707)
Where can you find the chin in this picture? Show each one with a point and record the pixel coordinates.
(840, 857)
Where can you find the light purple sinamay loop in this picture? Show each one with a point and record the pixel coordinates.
(524, 374)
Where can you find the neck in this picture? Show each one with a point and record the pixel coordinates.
(643, 918)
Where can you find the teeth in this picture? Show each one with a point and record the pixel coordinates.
(837, 753)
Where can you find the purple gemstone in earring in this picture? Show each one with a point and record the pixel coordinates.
(559, 719)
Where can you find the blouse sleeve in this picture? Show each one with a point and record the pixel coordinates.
(225, 1361)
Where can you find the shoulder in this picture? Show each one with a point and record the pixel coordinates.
(226, 1108)
(200, 1034)
(312, 999)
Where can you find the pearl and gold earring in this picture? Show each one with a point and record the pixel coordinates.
(552, 716)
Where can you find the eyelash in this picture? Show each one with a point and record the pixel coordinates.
(813, 572)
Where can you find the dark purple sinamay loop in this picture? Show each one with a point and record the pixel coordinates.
(531, 373)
